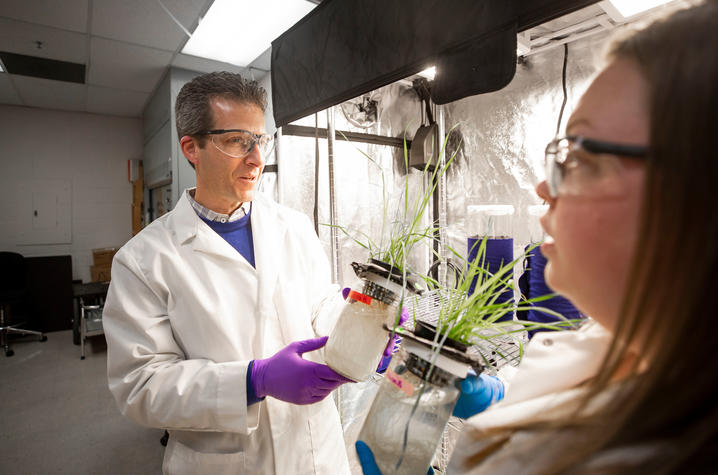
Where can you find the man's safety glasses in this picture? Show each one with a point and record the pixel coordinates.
(238, 143)
(578, 166)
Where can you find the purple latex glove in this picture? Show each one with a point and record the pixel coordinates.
(392, 346)
(291, 378)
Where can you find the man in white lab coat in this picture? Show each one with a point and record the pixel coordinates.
(214, 309)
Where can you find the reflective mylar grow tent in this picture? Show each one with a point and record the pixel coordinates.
(503, 135)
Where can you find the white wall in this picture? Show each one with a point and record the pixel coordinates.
(89, 152)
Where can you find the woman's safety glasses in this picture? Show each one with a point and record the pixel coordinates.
(238, 143)
(577, 166)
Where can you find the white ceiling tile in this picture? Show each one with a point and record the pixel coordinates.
(47, 94)
(65, 14)
(123, 66)
(145, 22)
(20, 37)
(203, 65)
(103, 100)
(8, 94)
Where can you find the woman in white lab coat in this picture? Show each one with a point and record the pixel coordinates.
(635, 245)
(186, 313)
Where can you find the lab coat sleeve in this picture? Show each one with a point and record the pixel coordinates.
(152, 381)
(506, 375)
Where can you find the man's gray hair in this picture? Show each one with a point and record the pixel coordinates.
(193, 106)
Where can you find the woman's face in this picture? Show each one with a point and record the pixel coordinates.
(593, 228)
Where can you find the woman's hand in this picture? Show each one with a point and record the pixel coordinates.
(478, 393)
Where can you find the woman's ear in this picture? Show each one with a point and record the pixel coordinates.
(190, 149)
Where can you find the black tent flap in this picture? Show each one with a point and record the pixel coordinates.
(345, 48)
(481, 66)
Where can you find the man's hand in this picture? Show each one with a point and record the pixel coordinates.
(291, 378)
(392, 346)
(478, 393)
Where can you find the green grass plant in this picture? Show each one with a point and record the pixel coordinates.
(403, 231)
(475, 317)
(468, 317)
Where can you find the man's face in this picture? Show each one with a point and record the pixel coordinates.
(225, 182)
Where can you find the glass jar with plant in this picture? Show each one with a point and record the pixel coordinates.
(416, 398)
(473, 312)
(358, 339)
(421, 386)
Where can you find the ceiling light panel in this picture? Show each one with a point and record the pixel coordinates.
(237, 32)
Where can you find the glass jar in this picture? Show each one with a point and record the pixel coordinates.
(495, 224)
(396, 449)
(492, 221)
(356, 344)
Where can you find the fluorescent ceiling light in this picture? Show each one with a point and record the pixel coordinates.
(629, 8)
(428, 73)
(237, 32)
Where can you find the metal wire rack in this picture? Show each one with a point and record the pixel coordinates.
(497, 351)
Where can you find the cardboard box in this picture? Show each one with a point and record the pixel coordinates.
(103, 257)
(100, 273)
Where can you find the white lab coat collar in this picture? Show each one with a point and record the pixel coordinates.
(550, 376)
(268, 230)
(266, 222)
(184, 220)
(555, 361)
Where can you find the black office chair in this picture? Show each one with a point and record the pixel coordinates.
(12, 293)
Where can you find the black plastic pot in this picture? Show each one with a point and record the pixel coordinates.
(411, 282)
(424, 334)
(428, 331)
